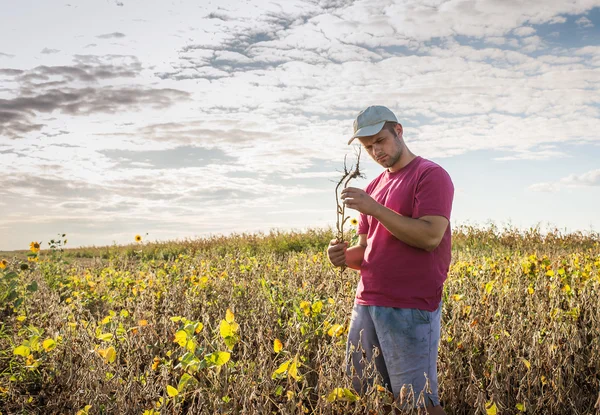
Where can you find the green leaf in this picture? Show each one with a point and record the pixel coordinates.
(184, 381)
(189, 362)
(33, 287)
(230, 341)
(22, 351)
(217, 358)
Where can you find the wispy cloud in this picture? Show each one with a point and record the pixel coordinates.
(588, 179)
(584, 22)
(114, 35)
(75, 90)
(48, 51)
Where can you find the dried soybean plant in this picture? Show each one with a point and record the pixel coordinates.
(349, 174)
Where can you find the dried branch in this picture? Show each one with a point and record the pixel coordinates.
(349, 174)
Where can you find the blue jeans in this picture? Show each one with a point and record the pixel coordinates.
(401, 346)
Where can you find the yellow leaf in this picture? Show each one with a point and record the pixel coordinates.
(520, 407)
(105, 336)
(22, 351)
(335, 330)
(21, 318)
(85, 410)
(457, 297)
(111, 355)
(281, 369)
(228, 329)
(225, 329)
(142, 323)
(293, 369)
(48, 344)
(489, 286)
(171, 391)
(343, 394)
(490, 408)
(229, 316)
(277, 346)
(305, 307)
(317, 307)
(526, 363)
(181, 338)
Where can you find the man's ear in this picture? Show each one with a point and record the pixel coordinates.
(399, 129)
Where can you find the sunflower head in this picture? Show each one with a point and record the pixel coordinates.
(3, 263)
(353, 221)
(34, 247)
(138, 238)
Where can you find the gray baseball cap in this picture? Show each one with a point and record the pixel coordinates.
(371, 120)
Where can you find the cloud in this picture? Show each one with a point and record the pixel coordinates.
(588, 179)
(544, 187)
(584, 22)
(6, 55)
(74, 90)
(114, 35)
(524, 31)
(47, 51)
(591, 178)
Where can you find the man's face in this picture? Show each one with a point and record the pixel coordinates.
(384, 147)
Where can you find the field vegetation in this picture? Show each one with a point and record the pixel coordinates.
(256, 324)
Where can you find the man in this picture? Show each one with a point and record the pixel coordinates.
(403, 255)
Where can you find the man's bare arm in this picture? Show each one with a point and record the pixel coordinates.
(425, 232)
(356, 254)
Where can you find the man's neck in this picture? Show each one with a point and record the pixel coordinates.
(406, 157)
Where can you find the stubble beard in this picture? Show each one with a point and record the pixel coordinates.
(393, 159)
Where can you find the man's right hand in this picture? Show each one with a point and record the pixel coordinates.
(337, 252)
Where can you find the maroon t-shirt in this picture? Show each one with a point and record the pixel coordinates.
(393, 273)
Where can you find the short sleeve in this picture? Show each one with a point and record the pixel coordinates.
(434, 194)
(363, 224)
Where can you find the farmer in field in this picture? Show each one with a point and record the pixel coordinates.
(403, 255)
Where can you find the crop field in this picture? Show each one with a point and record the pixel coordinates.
(257, 324)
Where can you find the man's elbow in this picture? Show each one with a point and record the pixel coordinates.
(432, 243)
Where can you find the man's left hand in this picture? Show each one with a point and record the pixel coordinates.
(360, 200)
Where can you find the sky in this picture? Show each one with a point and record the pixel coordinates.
(178, 120)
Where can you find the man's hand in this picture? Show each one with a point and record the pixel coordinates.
(360, 200)
(337, 252)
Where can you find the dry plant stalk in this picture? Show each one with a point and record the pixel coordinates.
(349, 174)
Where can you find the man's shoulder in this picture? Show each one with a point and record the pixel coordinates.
(426, 164)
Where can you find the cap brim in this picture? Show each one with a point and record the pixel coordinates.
(368, 131)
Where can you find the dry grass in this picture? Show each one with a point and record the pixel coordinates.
(521, 326)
